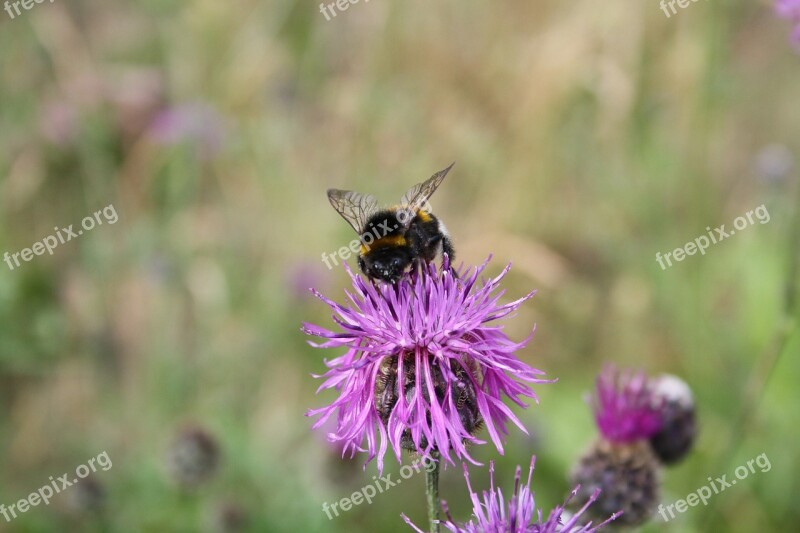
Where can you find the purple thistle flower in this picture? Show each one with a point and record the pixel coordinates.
(624, 406)
(621, 463)
(520, 515)
(790, 9)
(424, 368)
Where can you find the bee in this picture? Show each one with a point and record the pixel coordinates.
(395, 240)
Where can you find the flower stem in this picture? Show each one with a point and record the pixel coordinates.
(432, 492)
(764, 368)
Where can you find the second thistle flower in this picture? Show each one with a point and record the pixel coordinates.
(492, 512)
(621, 462)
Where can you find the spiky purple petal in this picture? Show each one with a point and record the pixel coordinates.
(790, 9)
(624, 406)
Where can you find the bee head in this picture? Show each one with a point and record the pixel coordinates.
(387, 264)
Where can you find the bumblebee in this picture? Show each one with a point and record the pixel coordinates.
(395, 240)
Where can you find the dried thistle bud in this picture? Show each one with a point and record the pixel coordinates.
(230, 518)
(88, 496)
(193, 457)
(628, 476)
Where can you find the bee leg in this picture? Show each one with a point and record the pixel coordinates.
(447, 248)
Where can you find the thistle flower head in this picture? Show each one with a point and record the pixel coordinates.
(425, 366)
(491, 513)
(624, 407)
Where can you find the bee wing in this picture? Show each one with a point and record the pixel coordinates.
(355, 208)
(418, 195)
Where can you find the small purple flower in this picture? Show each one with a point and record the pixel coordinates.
(790, 9)
(424, 367)
(300, 276)
(493, 515)
(196, 123)
(774, 164)
(59, 123)
(624, 407)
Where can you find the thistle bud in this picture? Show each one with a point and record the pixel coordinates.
(87, 496)
(230, 518)
(628, 476)
(193, 457)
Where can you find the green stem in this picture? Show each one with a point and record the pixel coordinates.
(432, 492)
(764, 368)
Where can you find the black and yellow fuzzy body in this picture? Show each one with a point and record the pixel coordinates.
(390, 246)
(397, 239)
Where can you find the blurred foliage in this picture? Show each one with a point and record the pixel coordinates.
(588, 136)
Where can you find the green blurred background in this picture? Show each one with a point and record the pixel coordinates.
(588, 136)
